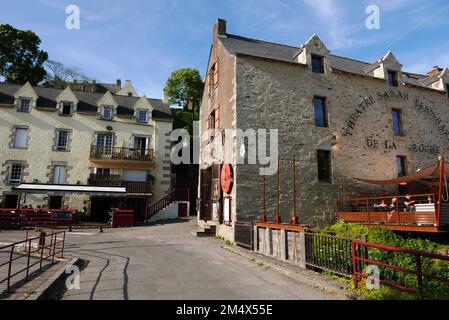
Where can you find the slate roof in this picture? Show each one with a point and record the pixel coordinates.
(87, 101)
(262, 49)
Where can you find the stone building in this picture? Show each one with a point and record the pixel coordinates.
(343, 118)
(70, 137)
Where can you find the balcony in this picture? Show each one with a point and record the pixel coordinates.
(119, 153)
(117, 158)
(112, 180)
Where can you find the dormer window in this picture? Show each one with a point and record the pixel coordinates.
(317, 64)
(107, 113)
(142, 116)
(24, 105)
(66, 109)
(392, 78)
(447, 89)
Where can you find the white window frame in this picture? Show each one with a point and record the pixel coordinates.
(110, 109)
(14, 181)
(59, 174)
(58, 135)
(139, 118)
(21, 103)
(25, 143)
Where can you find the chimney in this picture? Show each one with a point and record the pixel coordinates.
(436, 70)
(94, 86)
(219, 28)
(118, 84)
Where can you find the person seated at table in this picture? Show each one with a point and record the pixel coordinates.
(382, 205)
(409, 203)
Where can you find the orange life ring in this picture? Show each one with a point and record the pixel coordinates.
(227, 178)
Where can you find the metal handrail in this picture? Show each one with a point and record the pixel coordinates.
(53, 250)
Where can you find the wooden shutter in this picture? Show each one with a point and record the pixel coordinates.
(217, 117)
(208, 84)
(216, 74)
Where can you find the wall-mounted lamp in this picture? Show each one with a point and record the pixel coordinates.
(334, 140)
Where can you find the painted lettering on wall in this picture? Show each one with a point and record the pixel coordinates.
(367, 102)
(378, 144)
(422, 148)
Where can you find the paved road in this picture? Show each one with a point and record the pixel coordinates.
(167, 262)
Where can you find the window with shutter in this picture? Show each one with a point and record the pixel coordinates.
(217, 117)
(21, 138)
(216, 74)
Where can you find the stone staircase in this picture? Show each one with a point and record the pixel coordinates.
(206, 230)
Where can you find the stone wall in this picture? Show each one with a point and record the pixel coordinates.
(276, 95)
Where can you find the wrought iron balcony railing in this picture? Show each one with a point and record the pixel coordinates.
(119, 153)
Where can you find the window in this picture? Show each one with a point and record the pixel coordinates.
(320, 112)
(59, 174)
(213, 78)
(392, 78)
(25, 105)
(21, 138)
(107, 113)
(401, 163)
(447, 89)
(212, 121)
(62, 140)
(324, 166)
(66, 109)
(397, 122)
(15, 175)
(104, 140)
(142, 117)
(103, 172)
(141, 143)
(317, 64)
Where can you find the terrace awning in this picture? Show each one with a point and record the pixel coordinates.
(430, 173)
(57, 189)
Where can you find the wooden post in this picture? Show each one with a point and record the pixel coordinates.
(264, 204)
(440, 189)
(277, 218)
(294, 219)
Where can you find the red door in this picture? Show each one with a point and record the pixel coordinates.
(182, 210)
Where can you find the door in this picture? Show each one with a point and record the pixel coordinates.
(55, 202)
(11, 201)
(182, 210)
(139, 207)
(104, 144)
(141, 145)
(205, 195)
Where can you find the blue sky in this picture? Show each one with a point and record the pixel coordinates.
(145, 40)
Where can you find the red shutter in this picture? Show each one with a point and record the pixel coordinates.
(217, 117)
(216, 74)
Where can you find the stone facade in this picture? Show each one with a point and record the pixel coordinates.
(83, 125)
(268, 91)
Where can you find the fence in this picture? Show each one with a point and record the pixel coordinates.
(22, 258)
(37, 217)
(244, 234)
(422, 277)
(330, 253)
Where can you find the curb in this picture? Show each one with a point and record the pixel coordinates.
(46, 286)
(321, 284)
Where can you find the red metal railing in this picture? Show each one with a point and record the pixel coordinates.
(390, 210)
(38, 217)
(359, 248)
(42, 248)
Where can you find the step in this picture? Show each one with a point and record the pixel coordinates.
(203, 233)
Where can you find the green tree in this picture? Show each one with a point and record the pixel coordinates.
(21, 60)
(184, 89)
